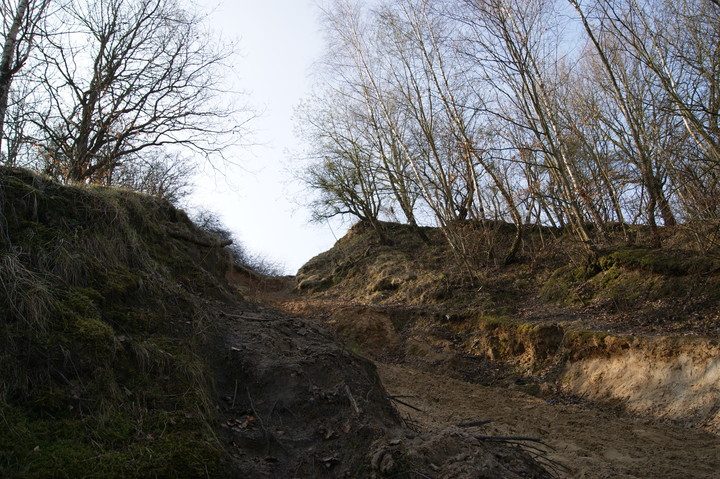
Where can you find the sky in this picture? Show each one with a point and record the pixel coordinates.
(260, 201)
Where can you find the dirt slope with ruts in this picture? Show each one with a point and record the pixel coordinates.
(126, 351)
(590, 442)
(613, 361)
(598, 435)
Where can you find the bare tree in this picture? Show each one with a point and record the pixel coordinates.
(590, 118)
(125, 76)
(21, 23)
(375, 77)
(679, 43)
(509, 41)
(429, 34)
(159, 173)
(632, 108)
(478, 109)
(396, 174)
(345, 171)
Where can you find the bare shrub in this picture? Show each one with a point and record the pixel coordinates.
(209, 222)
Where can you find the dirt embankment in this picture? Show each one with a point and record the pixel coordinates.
(633, 326)
(610, 395)
(125, 353)
(590, 443)
(675, 378)
(668, 378)
(606, 406)
(612, 362)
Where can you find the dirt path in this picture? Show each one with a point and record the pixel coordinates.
(590, 442)
(295, 404)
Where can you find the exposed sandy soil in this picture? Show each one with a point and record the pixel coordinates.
(295, 404)
(584, 440)
(589, 442)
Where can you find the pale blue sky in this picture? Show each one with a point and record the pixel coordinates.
(278, 42)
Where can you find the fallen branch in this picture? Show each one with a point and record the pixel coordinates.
(254, 318)
(206, 242)
(395, 398)
(538, 454)
(509, 438)
(257, 416)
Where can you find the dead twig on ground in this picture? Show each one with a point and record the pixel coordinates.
(269, 436)
(259, 418)
(509, 439)
(232, 406)
(419, 474)
(474, 423)
(540, 455)
(352, 400)
(395, 398)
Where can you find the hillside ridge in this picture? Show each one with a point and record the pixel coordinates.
(634, 326)
(127, 351)
(613, 358)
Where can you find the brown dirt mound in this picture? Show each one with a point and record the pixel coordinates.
(295, 404)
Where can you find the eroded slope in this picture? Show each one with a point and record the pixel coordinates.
(632, 331)
(125, 353)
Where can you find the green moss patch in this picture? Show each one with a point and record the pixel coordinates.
(630, 278)
(117, 445)
(102, 370)
(660, 262)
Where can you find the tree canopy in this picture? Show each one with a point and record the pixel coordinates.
(98, 90)
(568, 113)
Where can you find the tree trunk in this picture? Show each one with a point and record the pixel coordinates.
(7, 66)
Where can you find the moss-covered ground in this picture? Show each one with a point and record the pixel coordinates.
(634, 287)
(103, 327)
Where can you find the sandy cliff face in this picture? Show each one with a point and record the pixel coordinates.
(666, 377)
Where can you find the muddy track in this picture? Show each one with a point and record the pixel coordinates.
(590, 442)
